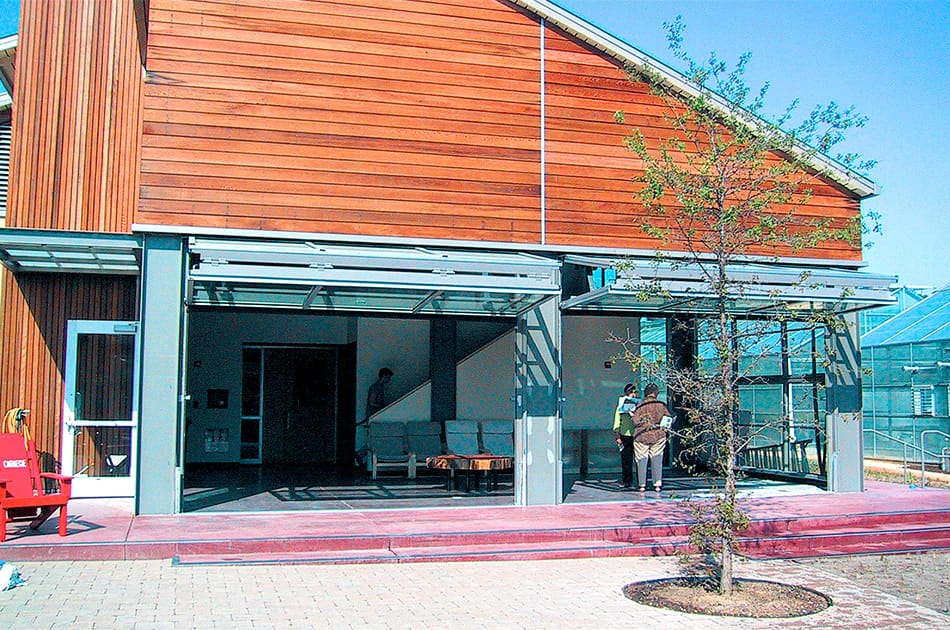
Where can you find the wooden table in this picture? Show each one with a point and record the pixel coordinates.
(470, 465)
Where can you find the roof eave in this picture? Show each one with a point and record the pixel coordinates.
(8, 46)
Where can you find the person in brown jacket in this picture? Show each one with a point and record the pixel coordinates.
(649, 436)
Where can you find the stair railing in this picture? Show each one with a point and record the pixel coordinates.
(905, 444)
(923, 452)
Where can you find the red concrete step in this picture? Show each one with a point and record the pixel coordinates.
(860, 521)
(778, 539)
(849, 540)
(459, 553)
(565, 531)
(419, 542)
(806, 545)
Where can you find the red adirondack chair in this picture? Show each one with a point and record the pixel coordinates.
(22, 486)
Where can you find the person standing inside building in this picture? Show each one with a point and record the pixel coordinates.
(376, 397)
(375, 401)
(623, 428)
(650, 421)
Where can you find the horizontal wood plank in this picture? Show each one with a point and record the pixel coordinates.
(425, 104)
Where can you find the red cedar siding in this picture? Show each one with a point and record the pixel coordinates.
(411, 118)
(76, 117)
(36, 308)
(399, 118)
(591, 197)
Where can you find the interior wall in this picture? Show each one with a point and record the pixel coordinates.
(484, 391)
(592, 377)
(486, 382)
(215, 343)
(402, 345)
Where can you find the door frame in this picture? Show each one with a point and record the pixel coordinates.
(84, 486)
(334, 350)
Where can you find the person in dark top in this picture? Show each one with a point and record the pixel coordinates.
(623, 428)
(376, 397)
(375, 401)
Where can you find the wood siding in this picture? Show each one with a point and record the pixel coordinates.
(36, 308)
(414, 118)
(411, 118)
(76, 116)
(591, 196)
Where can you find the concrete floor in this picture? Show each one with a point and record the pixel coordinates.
(302, 488)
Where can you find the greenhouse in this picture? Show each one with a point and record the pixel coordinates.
(907, 385)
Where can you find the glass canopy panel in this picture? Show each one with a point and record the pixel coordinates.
(483, 303)
(374, 279)
(612, 299)
(24, 250)
(643, 285)
(258, 295)
(405, 301)
(368, 299)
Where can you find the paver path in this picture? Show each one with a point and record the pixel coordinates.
(531, 594)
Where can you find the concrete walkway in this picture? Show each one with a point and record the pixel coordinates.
(529, 594)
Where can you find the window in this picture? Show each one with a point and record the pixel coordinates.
(923, 399)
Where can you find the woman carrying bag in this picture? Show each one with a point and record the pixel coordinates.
(651, 419)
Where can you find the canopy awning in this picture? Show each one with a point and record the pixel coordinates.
(651, 286)
(23, 250)
(319, 276)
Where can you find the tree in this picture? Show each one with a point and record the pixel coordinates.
(728, 187)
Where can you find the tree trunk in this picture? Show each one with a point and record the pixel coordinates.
(727, 508)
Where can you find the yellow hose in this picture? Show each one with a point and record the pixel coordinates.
(9, 424)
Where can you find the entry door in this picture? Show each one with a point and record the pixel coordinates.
(100, 411)
(299, 406)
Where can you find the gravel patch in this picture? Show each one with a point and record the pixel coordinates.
(923, 578)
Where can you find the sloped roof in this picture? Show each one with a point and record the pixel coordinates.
(629, 55)
(926, 321)
(8, 47)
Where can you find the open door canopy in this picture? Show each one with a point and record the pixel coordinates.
(648, 286)
(411, 280)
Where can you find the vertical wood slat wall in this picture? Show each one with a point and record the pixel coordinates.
(32, 359)
(76, 116)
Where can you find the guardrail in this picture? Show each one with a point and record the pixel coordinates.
(903, 443)
(923, 453)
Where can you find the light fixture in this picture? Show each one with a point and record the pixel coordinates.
(917, 368)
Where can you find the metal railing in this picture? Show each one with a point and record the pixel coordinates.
(923, 453)
(905, 444)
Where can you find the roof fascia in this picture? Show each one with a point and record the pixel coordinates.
(627, 54)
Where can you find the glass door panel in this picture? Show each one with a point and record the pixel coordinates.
(100, 414)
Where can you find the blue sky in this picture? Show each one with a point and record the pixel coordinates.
(890, 58)
(9, 17)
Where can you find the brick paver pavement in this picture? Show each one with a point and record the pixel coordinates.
(458, 595)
